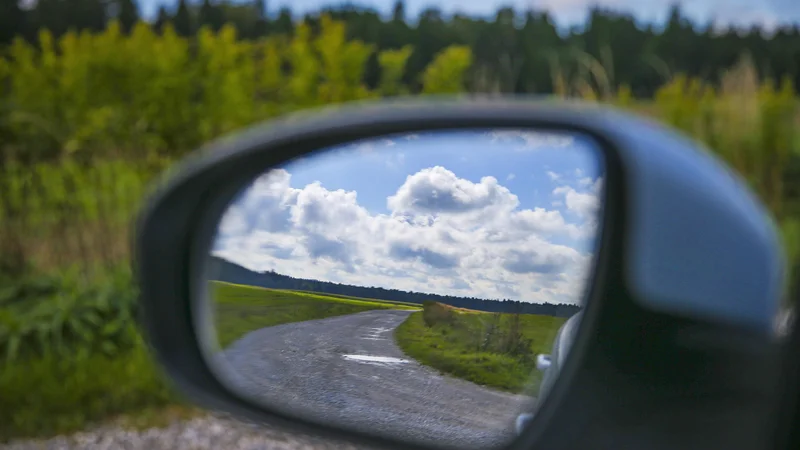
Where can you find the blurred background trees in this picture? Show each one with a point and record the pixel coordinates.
(515, 51)
(87, 82)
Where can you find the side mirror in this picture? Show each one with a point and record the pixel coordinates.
(393, 274)
(551, 364)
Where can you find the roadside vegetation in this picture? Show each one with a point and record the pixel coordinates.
(242, 309)
(72, 355)
(492, 349)
(88, 120)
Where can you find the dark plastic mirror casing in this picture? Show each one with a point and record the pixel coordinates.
(676, 344)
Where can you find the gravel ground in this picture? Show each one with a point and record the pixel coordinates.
(203, 433)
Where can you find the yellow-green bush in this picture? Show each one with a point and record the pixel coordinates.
(88, 119)
(445, 75)
(114, 95)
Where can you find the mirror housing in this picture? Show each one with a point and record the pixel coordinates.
(551, 364)
(687, 279)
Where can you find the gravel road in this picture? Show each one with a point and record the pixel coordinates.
(348, 371)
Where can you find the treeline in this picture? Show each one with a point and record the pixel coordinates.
(514, 51)
(230, 272)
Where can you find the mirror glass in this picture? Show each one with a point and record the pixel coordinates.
(409, 286)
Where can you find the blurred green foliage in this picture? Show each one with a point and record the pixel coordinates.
(71, 353)
(49, 316)
(146, 96)
(58, 394)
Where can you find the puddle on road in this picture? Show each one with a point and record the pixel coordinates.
(374, 334)
(379, 360)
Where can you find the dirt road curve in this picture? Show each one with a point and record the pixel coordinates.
(348, 371)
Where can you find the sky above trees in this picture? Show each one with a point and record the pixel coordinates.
(739, 12)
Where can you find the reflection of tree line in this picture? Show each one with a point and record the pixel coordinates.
(233, 273)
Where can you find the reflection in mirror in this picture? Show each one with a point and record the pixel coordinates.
(407, 285)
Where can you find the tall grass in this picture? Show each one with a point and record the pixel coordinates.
(751, 124)
(491, 349)
(55, 216)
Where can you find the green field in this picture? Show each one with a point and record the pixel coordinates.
(496, 350)
(241, 309)
(363, 299)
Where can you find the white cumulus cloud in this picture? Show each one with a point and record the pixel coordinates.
(442, 234)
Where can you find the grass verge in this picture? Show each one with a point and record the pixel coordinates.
(46, 396)
(71, 356)
(494, 350)
(241, 309)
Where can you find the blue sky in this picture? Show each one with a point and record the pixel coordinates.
(487, 213)
(377, 173)
(767, 12)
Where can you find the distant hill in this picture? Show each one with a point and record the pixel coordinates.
(233, 273)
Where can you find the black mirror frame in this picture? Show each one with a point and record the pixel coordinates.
(613, 386)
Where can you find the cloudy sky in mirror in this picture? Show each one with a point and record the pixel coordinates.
(489, 214)
(768, 13)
